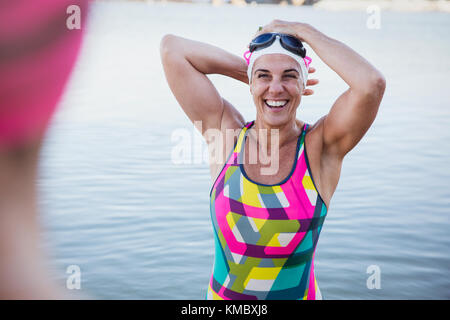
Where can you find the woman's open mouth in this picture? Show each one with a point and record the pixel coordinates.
(276, 105)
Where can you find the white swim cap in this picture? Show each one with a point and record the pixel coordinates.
(277, 48)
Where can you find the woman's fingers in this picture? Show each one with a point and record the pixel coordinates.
(276, 26)
(308, 92)
(311, 70)
(312, 82)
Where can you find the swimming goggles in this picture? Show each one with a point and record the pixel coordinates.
(287, 41)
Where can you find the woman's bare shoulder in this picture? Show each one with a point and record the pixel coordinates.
(315, 129)
(232, 119)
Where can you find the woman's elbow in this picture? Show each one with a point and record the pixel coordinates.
(379, 83)
(166, 45)
(375, 86)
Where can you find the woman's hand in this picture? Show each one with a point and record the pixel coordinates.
(292, 28)
(310, 82)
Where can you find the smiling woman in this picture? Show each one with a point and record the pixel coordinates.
(267, 222)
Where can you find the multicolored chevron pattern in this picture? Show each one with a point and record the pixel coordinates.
(265, 236)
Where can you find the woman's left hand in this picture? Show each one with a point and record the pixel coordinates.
(310, 82)
(292, 28)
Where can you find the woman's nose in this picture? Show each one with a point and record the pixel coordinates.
(275, 86)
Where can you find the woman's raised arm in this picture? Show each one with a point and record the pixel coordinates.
(355, 110)
(186, 65)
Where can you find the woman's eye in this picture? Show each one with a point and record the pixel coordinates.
(291, 76)
(262, 75)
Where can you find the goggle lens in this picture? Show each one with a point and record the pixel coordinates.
(291, 41)
(262, 38)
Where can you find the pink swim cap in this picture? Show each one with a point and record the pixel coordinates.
(37, 54)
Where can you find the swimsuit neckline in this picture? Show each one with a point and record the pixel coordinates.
(294, 165)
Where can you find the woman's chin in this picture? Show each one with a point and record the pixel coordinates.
(276, 120)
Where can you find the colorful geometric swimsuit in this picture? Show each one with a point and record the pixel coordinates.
(265, 235)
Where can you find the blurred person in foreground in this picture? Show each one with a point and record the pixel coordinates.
(37, 55)
(268, 211)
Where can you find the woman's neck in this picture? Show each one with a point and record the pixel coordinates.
(264, 133)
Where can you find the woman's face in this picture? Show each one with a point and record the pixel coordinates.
(277, 88)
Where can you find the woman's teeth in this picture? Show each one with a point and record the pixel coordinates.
(275, 104)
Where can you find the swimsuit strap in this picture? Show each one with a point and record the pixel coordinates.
(249, 124)
(238, 147)
(305, 127)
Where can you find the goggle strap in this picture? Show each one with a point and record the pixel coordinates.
(308, 61)
(247, 56)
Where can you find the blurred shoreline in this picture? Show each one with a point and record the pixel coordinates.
(391, 5)
(332, 5)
